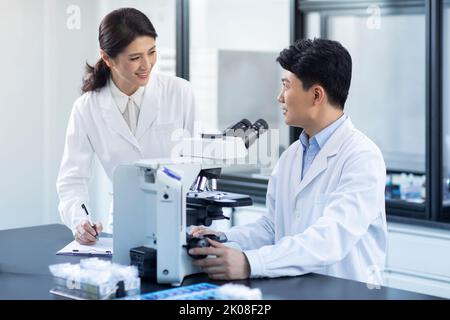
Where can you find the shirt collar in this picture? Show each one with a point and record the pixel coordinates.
(121, 98)
(322, 137)
(304, 140)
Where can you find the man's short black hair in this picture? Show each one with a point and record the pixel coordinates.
(323, 62)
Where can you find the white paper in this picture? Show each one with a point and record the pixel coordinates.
(103, 246)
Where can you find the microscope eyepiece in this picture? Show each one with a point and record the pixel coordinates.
(243, 124)
(237, 128)
(261, 125)
(243, 129)
(255, 131)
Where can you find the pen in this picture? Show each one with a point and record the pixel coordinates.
(92, 225)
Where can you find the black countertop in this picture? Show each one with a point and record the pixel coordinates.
(26, 253)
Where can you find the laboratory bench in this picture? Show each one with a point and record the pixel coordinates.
(26, 253)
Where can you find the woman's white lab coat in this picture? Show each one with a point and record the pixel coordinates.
(96, 126)
(332, 222)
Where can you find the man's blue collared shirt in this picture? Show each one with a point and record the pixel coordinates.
(311, 147)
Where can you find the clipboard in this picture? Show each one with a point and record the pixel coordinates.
(102, 248)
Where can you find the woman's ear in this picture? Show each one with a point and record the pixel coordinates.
(106, 58)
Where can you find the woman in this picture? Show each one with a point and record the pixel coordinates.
(127, 112)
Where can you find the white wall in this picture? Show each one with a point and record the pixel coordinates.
(66, 50)
(418, 259)
(21, 118)
(42, 66)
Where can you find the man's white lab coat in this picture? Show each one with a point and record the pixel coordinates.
(332, 222)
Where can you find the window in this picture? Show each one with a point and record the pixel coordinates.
(233, 49)
(396, 51)
(387, 97)
(388, 80)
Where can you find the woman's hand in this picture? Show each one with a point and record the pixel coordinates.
(86, 234)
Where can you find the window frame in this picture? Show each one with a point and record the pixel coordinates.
(329, 9)
(432, 212)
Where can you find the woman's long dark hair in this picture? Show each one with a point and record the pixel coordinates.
(117, 30)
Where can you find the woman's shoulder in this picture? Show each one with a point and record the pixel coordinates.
(88, 98)
(169, 81)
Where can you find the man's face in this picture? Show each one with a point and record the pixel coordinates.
(296, 103)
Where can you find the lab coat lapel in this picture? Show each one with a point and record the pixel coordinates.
(149, 106)
(319, 164)
(114, 118)
(330, 149)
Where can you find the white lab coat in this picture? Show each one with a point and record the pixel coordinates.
(332, 222)
(96, 126)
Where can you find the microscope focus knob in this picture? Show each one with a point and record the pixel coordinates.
(200, 242)
(197, 243)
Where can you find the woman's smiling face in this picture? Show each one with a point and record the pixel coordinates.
(131, 68)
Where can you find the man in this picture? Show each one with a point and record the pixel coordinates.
(325, 198)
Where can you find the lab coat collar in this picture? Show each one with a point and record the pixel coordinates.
(321, 137)
(320, 163)
(147, 115)
(149, 106)
(122, 99)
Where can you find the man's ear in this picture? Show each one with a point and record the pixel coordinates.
(106, 58)
(319, 94)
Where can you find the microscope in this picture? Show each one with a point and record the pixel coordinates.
(156, 200)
